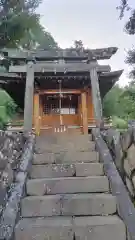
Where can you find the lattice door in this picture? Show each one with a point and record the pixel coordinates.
(51, 105)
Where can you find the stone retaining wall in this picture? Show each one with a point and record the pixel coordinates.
(122, 148)
(16, 154)
(118, 145)
(12, 145)
(11, 148)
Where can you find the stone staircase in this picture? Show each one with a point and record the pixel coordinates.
(68, 195)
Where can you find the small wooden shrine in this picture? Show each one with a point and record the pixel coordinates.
(59, 90)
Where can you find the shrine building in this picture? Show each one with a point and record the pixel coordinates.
(59, 90)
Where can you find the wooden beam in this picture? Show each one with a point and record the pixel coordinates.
(37, 114)
(84, 112)
(59, 68)
(96, 98)
(28, 102)
(56, 91)
(9, 75)
(102, 53)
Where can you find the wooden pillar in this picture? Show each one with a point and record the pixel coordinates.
(28, 102)
(84, 112)
(41, 106)
(36, 113)
(96, 98)
(80, 110)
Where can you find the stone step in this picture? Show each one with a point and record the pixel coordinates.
(92, 184)
(44, 158)
(75, 137)
(59, 228)
(65, 157)
(61, 145)
(99, 228)
(60, 139)
(66, 170)
(69, 146)
(66, 228)
(73, 157)
(75, 141)
(68, 205)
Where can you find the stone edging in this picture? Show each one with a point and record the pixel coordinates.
(125, 206)
(11, 211)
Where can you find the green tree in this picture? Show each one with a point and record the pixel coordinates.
(120, 102)
(20, 25)
(111, 102)
(38, 38)
(16, 17)
(7, 108)
(129, 29)
(129, 98)
(45, 40)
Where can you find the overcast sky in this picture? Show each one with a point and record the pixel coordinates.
(95, 22)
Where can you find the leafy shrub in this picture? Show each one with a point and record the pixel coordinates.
(119, 123)
(7, 108)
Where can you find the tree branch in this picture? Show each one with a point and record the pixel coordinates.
(124, 6)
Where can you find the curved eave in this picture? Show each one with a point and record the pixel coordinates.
(107, 81)
(2, 82)
(9, 76)
(112, 74)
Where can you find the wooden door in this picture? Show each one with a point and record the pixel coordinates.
(60, 112)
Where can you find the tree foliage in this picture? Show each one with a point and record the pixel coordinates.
(120, 102)
(111, 102)
(37, 37)
(7, 108)
(78, 44)
(122, 7)
(20, 25)
(129, 29)
(130, 25)
(16, 17)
